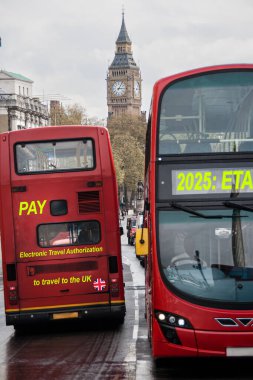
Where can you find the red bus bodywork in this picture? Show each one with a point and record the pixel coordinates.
(57, 281)
(204, 337)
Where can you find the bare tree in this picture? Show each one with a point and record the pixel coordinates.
(70, 115)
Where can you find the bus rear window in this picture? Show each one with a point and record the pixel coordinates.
(54, 156)
(71, 233)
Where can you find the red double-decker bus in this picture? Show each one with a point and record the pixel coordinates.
(60, 231)
(199, 214)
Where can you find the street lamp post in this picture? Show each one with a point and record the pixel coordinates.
(140, 197)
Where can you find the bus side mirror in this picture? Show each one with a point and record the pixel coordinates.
(121, 230)
(141, 242)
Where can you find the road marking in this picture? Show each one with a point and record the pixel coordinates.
(135, 332)
(144, 370)
(131, 356)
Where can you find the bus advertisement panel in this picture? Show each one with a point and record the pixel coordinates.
(199, 213)
(60, 240)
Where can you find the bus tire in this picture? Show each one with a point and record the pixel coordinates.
(158, 362)
(120, 320)
(20, 329)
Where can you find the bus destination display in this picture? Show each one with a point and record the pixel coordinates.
(213, 180)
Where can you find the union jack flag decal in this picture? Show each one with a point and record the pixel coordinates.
(99, 284)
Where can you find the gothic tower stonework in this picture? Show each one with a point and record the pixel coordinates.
(123, 79)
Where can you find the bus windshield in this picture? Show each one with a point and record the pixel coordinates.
(207, 114)
(48, 156)
(208, 256)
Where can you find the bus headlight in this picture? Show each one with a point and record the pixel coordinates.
(181, 322)
(168, 323)
(161, 317)
(172, 320)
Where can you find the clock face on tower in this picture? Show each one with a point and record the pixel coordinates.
(118, 88)
(136, 88)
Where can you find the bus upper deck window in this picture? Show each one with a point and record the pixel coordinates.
(52, 156)
(207, 113)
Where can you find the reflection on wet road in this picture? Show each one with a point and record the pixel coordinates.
(101, 350)
(98, 350)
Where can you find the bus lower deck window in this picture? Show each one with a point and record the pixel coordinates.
(70, 233)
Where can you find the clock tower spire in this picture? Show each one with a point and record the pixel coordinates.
(123, 79)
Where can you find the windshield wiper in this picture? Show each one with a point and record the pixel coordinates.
(237, 206)
(195, 213)
(199, 267)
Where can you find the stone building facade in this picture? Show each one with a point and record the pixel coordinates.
(18, 108)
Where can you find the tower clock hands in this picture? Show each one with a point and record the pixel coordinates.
(118, 88)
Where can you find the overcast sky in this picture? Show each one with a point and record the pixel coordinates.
(65, 47)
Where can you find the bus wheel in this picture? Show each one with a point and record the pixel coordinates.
(158, 362)
(120, 320)
(20, 329)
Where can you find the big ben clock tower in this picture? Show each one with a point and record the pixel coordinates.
(123, 79)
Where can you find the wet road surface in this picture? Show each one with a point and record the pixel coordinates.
(101, 350)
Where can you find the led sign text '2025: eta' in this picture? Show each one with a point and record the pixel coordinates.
(215, 180)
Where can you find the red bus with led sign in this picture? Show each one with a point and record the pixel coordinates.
(198, 217)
